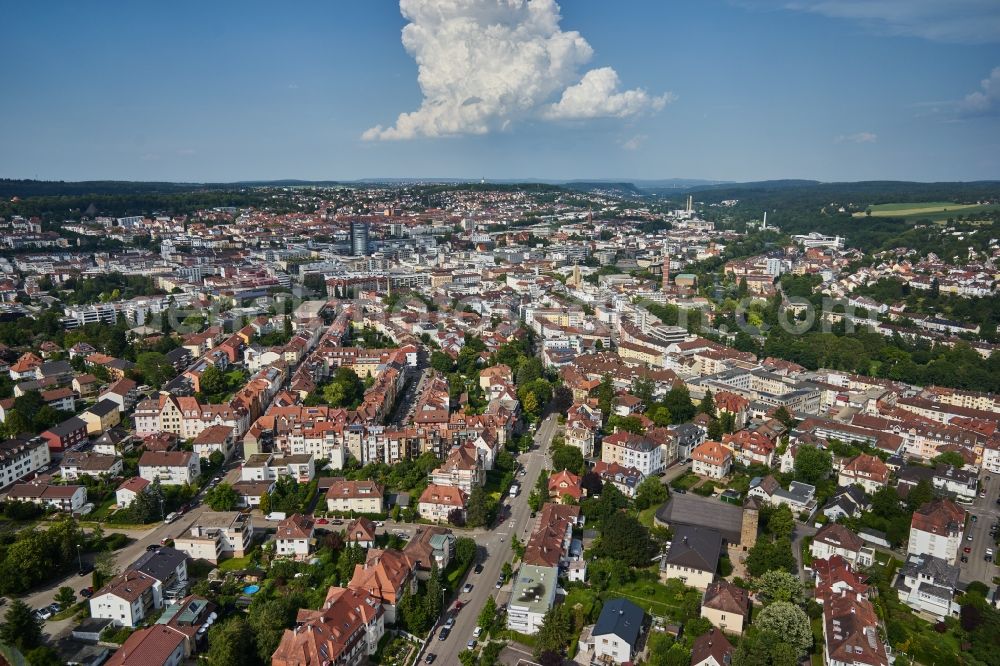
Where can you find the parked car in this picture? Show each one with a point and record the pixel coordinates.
(679, 491)
(471, 644)
(467, 588)
(153, 546)
(476, 632)
(964, 558)
(478, 569)
(444, 634)
(499, 582)
(87, 592)
(43, 613)
(967, 549)
(87, 569)
(458, 605)
(54, 608)
(322, 521)
(429, 659)
(171, 517)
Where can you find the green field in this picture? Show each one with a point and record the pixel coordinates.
(932, 210)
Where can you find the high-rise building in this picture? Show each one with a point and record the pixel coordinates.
(359, 239)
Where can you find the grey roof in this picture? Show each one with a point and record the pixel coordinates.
(70, 425)
(160, 563)
(56, 368)
(694, 510)
(695, 547)
(939, 571)
(621, 618)
(104, 407)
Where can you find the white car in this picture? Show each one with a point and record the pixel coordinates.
(476, 632)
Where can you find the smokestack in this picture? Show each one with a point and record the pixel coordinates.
(764, 225)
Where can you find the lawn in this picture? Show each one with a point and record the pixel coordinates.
(685, 482)
(667, 600)
(646, 515)
(235, 563)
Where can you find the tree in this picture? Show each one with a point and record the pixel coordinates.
(707, 404)
(970, 617)
(678, 402)
(567, 457)
(456, 517)
(477, 512)
(788, 621)
(155, 369)
(211, 381)
(562, 399)
(434, 593)
(782, 414)
(812, 465)
(778, 585)
(920, 494)
(20, 628)
(631, 424)
(642, 388)
(555, 631)
(625, 539)
(591, 482)
(65, 597)
(268, 620)
(780, 521)
(650, 493)
(265, 503)
(488, 615)
(953, 458)
(767, 555)
(222, 498)
(441, 362)
(605, 394)
(465, 550)
(230, 644)
(530, 404)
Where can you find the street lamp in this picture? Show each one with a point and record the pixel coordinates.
(79, 557)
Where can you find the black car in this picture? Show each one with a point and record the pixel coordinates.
(964, 559)
(478, 569)
(153, 546)
(87, 568)
(444, 634)
(429, 659)
(680, 491)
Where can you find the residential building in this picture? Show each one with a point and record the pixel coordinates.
(129, 489)
(217, 535)
(693, 557)
(124, 393)
(85, 463)
(430, 544)
(726, 606)
(345, 631)
(936, 530)
(158, 644)
(101, 417)
(127, 599)
(358, 496)
(462, 468)
(386, 575)
(628, 450)
(711, 459)
(20, 458)
(846, 502)
(61, 498)
(565, 484)
(171, 468)
(437, 502)
(615, 636)
(835, 539)
(360, 532)
(625, 479)
(214, 438)
(928, 584)
(867, 471)
(294, 537)
(712, 649)
(532, 595)
(66, 435)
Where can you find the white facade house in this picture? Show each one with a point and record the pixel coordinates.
(835, 539)
(532, 595)
(127, 599)
(936, 530)
(927, 584)
(21, 457)
(172, 468)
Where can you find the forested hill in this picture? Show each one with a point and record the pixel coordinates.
(796, 193)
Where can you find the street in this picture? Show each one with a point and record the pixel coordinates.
(494, 550)
(987, 512)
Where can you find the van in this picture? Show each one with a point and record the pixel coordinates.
(171, 517)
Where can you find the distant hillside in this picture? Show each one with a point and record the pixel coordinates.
(621, 188)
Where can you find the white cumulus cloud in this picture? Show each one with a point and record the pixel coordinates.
(635, 142)
(483, 64)
(986, 100)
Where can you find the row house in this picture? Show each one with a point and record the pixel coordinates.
(69, 499)
(186, 417)
(66, 435)
(851, 627)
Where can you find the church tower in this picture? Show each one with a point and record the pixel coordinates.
(666, 272)
(751, 517)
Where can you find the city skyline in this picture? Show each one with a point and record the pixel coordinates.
(734, 91)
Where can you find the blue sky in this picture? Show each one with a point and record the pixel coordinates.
(718, 89)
